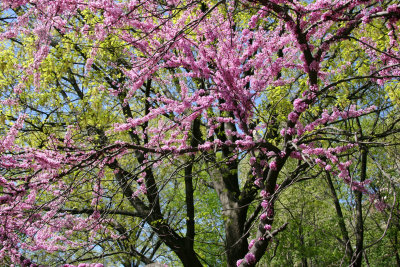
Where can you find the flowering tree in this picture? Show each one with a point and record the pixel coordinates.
(124, 118)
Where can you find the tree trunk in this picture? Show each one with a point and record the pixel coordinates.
(225, 182)
(236, 241)
(359, 231)
(345, 235)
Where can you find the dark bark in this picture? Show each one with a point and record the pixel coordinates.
(183, 247)
(263, 236)
(301, 237)
(226, 184)
(189, 206)
(339, 213)
(359, 230)
(190, 223)
(236, 241)
(224, 180)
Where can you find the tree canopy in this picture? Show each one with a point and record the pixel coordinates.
(199, 133)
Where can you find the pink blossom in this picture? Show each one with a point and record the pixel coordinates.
(265, 204)
(273, 166)
(299, 105)
(293, 116)
(241, 65)
(263, 217)
(267, 227)
(264, 194)
(258, 182)
(250, 258)
(296, 155)
(328, 167)
(251, 244)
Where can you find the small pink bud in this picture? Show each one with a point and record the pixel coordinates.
(264, 204)
(328, 167)
(263, 217)
(273, 166)
(251, 244)
(250, 258)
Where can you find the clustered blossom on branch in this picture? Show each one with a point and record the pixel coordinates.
(43, 226)
(240, 63)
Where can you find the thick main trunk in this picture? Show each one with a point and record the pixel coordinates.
(236, 240)
(225, 182)
(174, 241)
(188, 258)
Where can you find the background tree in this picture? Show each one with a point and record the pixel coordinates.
(133, 129)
